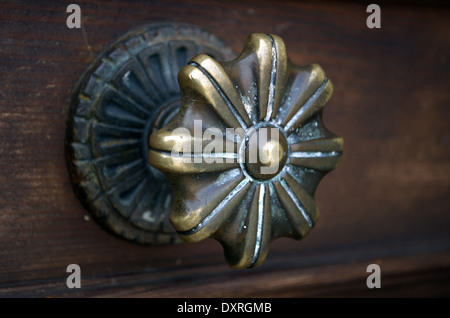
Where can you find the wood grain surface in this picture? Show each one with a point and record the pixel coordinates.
(389, 203)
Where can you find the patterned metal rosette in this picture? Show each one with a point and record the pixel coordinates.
(128, 92)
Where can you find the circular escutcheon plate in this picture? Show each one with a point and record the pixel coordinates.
(129, 91)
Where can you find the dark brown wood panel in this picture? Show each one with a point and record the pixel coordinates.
(387, 204)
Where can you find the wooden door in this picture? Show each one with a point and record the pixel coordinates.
(388, 204)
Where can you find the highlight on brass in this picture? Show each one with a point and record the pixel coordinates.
(272, 161)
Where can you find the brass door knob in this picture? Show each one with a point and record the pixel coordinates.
(240, 141)
(247, 149)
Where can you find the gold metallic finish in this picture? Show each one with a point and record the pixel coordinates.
(251, 186)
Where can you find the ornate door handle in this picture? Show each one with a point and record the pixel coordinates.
(243, 155)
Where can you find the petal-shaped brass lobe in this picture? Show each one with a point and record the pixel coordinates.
(300, 208)
(200, 85)
(320, 154)
(246, 236)
(230, 199)
(252, 66)
(193, 129)
(223, 83)
(206, 210)
(312, 91)
(279, 73)
(187, 163)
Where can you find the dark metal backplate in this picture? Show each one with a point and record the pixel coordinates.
(129, 91)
